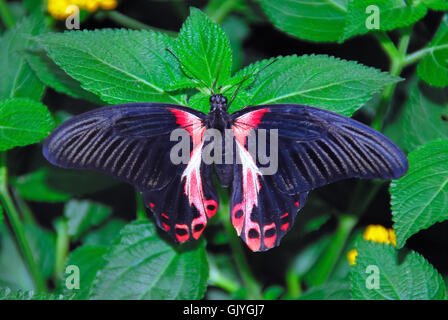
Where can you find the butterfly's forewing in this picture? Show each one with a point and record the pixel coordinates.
(315, 148)
(132, 143)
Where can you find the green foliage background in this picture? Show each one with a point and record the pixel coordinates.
(123, 259)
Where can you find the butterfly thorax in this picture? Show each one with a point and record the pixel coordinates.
(218, 117)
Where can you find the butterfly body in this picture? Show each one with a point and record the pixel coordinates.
(315, 147)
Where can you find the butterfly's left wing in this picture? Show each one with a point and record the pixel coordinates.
(315, 147)
(132, 142)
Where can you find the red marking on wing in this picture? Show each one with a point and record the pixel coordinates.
(211, 206)
(284, 216)
(269, 241)
(238, 222)
(165, 216)
(151, 205)
(285, 226)
(192, 173)
(244, 124)
(254, 244)
(297, 204)
(191, 123)
(165, 226)
(250, 182)
(181, 232)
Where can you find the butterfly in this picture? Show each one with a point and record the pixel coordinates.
(316, 147)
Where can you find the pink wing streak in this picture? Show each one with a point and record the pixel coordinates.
(241, 212)
(191, 176)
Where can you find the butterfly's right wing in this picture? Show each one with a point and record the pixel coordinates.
(132, 143)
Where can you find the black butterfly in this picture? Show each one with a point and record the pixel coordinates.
(315, 147)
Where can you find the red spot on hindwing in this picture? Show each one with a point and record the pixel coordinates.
(181, 231)
(269, 235)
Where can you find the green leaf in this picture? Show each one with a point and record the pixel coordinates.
(392, 14)
(82, 215)
(436, 4)
(321, 81)
(18, 80)
(317, 20)
(1, 215)
(13, 269)
(8, 294)
(59, 185)
(237, 30)
(420, 198)
(424, 118)
(89, 259)
(120, 66)
(411, 278)
(204, 48)
(53, 76)
(23, 122)
(104, 235)
(433, 68)
(335, 290)
(142, 266)
(42, 244)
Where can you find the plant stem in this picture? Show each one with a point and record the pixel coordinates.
(396, 58)
(25, 210)
(293, 285)
(219, 13)
(62, 246)
(141, 213)
(129, 22)
(6, 15)
(17, 226)
(323, 268)
(252, 286)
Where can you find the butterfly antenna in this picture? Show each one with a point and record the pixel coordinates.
(255, 73)
(185, 67)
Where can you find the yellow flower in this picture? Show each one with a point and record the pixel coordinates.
(375, 233)
(58, 8)
(378, 233)
(351, 256)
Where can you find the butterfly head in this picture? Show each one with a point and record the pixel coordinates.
(218, 103)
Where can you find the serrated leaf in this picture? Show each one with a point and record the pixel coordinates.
(105, 235)
(59, 185)
(424, 118)
(420, 198)
(23, 122)
(318, 20)
(53, 76)
(410, 279)
(436, 4)
(8, 294)
(204, 48)
(82, 215)
(120, 66)
(89, 259)
(392, 14)
(18, 80)
(335, 290)
(321, 81)
(433, 68)
(140, 265)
